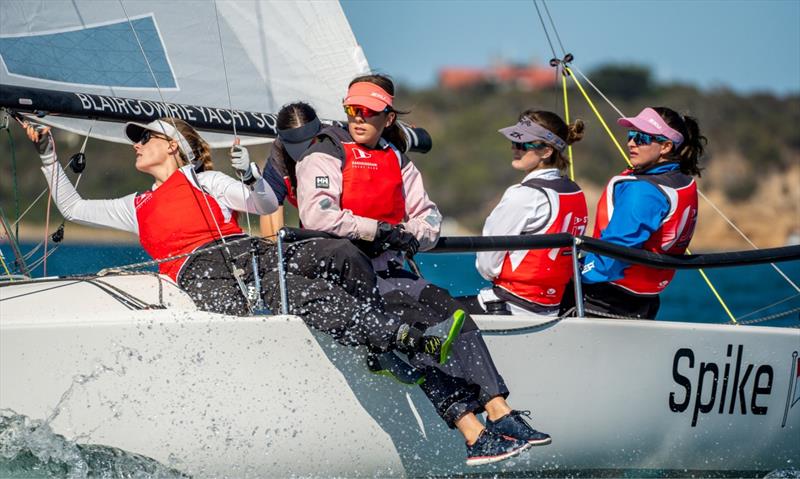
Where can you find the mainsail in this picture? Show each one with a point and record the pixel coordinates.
(249, 55)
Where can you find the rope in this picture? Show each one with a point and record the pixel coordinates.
(566, 116)
(599, 116)
(14, 176)
(771, 317)
(5, 267)
(544, 28)
(555, 30)
(769, 306)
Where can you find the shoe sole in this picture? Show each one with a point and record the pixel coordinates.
(455, 330)
(481, 461)
(540, 442)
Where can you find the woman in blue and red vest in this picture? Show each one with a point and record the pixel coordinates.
(358, 184)
(544, 202)
(652, 206)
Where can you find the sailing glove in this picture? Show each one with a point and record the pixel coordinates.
(43, 141)
(395, 237)
(240, 160)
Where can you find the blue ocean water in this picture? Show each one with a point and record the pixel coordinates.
(745, 290)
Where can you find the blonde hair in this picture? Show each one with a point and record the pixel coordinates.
(199, 146)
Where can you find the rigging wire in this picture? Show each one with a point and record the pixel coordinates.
(555, 30)
(14, 176)
(789, 298)
(553, 62)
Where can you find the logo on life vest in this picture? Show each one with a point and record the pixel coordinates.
(361, 154)
(323, 182)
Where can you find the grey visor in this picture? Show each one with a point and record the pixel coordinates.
(528, 130)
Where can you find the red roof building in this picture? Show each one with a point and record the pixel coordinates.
(530, 77)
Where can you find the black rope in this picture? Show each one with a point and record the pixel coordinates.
(555, 30)
(544, 29)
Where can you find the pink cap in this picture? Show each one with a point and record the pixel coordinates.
(369, 95)
(649, 121)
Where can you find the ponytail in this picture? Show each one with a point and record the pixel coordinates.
(688, 153)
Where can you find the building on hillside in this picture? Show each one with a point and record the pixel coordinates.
(524, 77)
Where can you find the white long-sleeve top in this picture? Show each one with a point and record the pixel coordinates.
(319, 207)
(120, 213)
(521, 210)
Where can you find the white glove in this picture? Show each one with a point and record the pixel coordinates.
(43, 141)
(240, 160)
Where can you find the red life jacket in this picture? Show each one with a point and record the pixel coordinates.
(543, 274)
(672, 237)
(174, 219)
(372, 182)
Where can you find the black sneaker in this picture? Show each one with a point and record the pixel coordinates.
(513, 425)
(491, 447)
(436, 340)
(392, 366)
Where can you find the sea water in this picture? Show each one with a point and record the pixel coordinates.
(29, 448)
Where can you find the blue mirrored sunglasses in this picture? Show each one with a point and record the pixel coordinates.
(531, 145)
(642, 138)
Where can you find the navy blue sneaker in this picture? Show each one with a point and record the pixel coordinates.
(491, 447)
(392, 366)
(515, 426)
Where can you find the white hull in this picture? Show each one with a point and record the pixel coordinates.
(213, 395)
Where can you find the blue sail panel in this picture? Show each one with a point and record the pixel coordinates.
(106, 55)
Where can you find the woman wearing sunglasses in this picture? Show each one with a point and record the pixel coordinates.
(652, 206)
(544, 202)
(357, 184)
(191, 207)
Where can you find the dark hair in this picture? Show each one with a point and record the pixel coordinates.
(689, 152)
(569, 133)
(293, 115)
(201, 150)
(392, 133)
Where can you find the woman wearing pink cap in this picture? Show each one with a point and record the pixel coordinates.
(652, 206)
(358, 184)
(544, 202)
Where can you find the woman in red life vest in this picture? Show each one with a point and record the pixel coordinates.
(544, 202)
(357, 184)
(177, 217)
(652, 206)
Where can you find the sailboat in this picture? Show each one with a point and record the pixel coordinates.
(125, 359)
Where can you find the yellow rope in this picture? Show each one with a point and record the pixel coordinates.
(716, 294)
(3, 260)
(628, 161)
(566, 116)
(599, 116)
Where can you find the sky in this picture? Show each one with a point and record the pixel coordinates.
(745, 45)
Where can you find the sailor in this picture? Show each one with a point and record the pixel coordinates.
(188, 221)
(651, 206)
(544, 202)
(358, 184)
(297, 124)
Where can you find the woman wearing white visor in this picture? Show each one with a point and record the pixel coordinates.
(652, 206)
(543, 202)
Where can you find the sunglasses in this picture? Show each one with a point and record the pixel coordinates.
(362, 111)
(641, 138)
(148, 135)
(531, 145)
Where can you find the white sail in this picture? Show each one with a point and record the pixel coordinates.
(262, 53)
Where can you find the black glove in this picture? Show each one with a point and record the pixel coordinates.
(396, 238)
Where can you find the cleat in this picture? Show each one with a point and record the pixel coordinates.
(392, 366)
(513, 425)
(491, 447)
